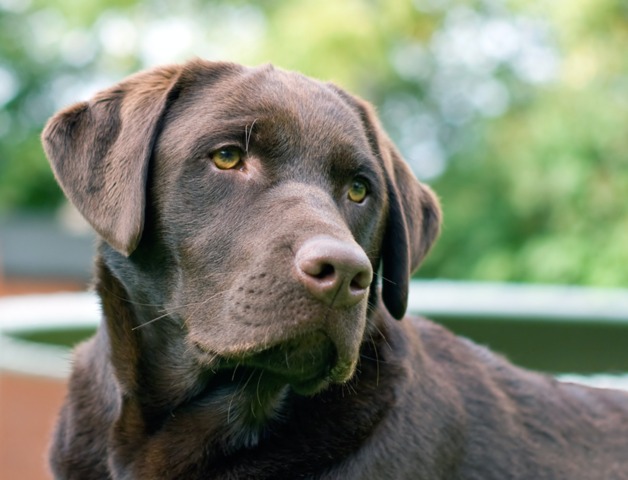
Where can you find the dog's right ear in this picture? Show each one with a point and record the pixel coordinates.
(100, 150)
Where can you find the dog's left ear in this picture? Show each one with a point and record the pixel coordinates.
(414, 215)
(414, 219)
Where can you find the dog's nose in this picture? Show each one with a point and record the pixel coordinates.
(336, 272)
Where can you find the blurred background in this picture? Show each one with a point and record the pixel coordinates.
(515, 112)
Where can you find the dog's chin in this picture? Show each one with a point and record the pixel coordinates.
(307, 364)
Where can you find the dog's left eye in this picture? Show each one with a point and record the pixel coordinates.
(357, 191)
(227, 158)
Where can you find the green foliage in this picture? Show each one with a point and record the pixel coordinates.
(516, 112)
(542, 198)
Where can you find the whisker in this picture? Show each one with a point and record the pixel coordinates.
(350, 388)
(384, 279)
(371, 306)
(235, 393)
(248, 132)
(376, 360)
(127, 300)
(373, 359)
(248, 379)
(200, 304)
(383, 336)
(171, 310)
(151, 321)
(259, 380)
(234, 371)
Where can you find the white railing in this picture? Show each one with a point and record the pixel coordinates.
(429, 298)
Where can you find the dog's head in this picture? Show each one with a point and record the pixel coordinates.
(251, 209)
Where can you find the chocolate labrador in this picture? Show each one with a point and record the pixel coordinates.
(259, 231)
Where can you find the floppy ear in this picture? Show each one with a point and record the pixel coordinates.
(100, 150)
(414, 214)
(413, 224)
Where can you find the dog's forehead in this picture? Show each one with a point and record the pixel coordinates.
(271, 92)
(273, 102)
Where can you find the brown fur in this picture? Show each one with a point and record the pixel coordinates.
(219, 358)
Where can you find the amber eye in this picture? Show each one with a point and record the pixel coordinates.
(227, 158)
(357, 191)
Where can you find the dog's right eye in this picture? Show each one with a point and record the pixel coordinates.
(227, 158)
(357, 191)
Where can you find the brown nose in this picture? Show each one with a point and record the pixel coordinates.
(335, 272)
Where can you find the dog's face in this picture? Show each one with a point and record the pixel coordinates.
(251, 208)
(259, 183)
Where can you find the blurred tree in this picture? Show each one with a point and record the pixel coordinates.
(514, 111)
(541, 197)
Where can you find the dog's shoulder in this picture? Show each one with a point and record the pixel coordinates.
(443, 345)
(90, 409)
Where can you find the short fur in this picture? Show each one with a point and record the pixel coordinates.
(218, 358)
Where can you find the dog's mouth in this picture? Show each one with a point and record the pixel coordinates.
(307, 363)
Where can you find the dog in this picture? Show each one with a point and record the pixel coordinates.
(259, 230)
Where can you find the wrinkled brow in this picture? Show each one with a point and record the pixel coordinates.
(233, 132)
